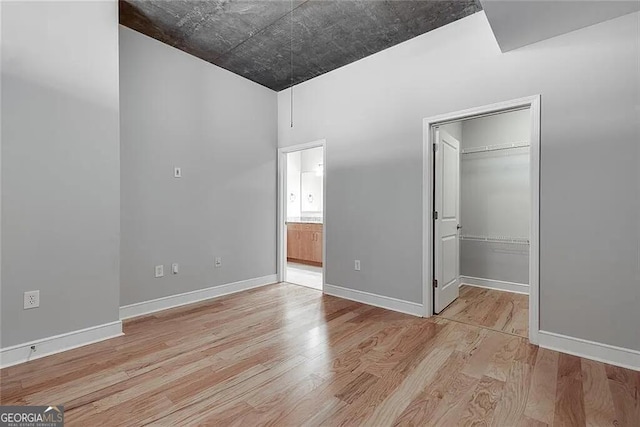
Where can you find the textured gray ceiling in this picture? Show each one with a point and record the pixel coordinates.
(255, 38)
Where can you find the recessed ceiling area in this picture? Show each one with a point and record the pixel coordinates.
(523, 22)
(265, 40)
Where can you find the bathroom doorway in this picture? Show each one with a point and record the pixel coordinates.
(301, 215)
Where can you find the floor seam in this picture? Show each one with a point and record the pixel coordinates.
(481, 326)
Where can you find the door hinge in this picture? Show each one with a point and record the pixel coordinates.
(435, 283)
(435, 214)
(435, 146)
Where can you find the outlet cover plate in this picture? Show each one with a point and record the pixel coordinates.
(31, 299)
(159, 270)
(218, 262)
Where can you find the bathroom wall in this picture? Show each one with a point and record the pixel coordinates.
(304, 184)
(293, 184)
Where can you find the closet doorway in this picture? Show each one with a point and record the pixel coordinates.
(301, 204)
(481, 217)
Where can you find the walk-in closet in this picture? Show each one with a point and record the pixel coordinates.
(494, 219)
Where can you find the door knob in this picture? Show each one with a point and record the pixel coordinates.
(458, 227)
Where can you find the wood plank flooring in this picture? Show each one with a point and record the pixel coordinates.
(501, 311)
(285, 355)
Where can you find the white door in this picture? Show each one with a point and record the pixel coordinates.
(446, 224)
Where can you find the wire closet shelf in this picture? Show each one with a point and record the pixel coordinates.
(497, 239)
(496, 147)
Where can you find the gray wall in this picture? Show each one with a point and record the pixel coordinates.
(60, 167)
(495, 197)
(177, 110)
(506, 262)
(370, 113)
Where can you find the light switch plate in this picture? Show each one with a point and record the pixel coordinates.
(356, 265)
(177, 172)
(159, 270)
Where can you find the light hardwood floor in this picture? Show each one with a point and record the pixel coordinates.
(285, 355)
(501, 311)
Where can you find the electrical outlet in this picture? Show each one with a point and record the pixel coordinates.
(177, 172)
(174, 268)
(218, 262)
(356, 265)
(31, 299)
(159, 270)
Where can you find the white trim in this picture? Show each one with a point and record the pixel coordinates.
(534, 225)
(533, 103)
(389, 303)
(427, 217)
(605, 353)
(498, 285)
(164, 303)
(282, 207)
(21, 353)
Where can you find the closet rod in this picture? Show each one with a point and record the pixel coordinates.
(497, 239)
(497, 147)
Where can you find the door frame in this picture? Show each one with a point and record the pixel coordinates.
(282, 207)
(533, 103)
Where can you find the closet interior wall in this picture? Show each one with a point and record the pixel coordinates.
(495, 198)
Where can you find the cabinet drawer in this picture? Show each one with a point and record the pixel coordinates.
(300, 226)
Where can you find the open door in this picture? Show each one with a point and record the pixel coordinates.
(446, 220)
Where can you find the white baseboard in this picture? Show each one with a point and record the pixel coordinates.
(606, 353)
(151, 306)
(498, 285)
(21, 353)
(389, 303)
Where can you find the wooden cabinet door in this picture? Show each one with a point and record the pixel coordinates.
(306, 245)
(304, 242)
(316, 244)
(293, 243)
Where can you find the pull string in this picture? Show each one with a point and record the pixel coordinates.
(291, 58)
